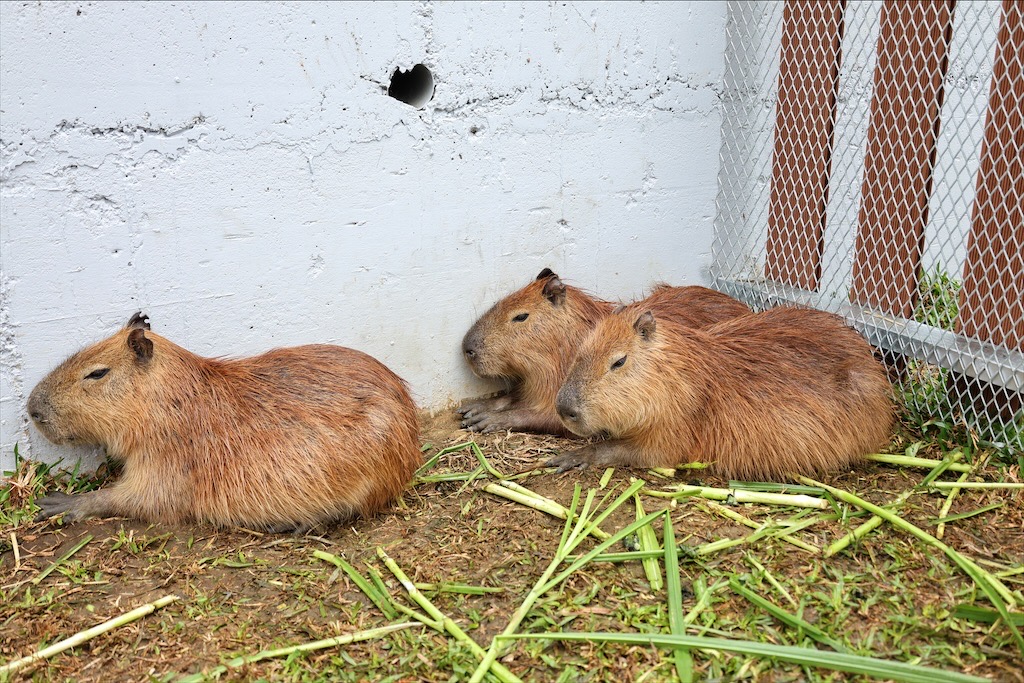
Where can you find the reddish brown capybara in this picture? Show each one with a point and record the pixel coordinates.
(529, 340)
(281, 442)
(693, 306)
(790, 390)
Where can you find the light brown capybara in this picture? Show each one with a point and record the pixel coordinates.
(280, 442)
(760, 396)
(529, 339)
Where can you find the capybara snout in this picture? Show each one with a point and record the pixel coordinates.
(566, 405)
(285, 440)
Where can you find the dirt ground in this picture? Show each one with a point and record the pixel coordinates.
(242, 592)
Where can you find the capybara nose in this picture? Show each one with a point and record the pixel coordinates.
(470, 353)
(35, 407)
(567, 412)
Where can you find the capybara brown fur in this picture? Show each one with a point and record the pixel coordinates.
(759, 396)
(282, 441)
(693, 306)
(529, 340)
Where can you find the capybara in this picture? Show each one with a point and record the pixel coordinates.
(280, 442)
(693, 306)
(759, 396)
(529, 340)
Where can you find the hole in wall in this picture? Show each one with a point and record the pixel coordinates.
(415, 87)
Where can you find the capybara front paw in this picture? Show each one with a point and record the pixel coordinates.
(483, 422)
(55, 504)
(483, 405)
(570, 460)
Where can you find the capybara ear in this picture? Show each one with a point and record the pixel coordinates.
(554, 290)
(140, 345)
(138, 321)
(645, 325)
(547, 272)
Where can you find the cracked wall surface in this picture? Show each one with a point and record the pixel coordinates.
(238, 172)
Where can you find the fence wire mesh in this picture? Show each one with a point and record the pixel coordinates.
(872, 165)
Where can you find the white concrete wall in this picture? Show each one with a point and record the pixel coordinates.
(237, 172)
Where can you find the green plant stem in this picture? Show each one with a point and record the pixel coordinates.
(648, 541)
(740, 496)
(771, 579)
(746, 521)
(524, 496)
(939, 466)
(940, 530)
(997, 593)
(458, 588)
(866, 528)
(674, 594)
(703, 599)
(304, 647)
(88, 634)
(908, 461)
(450, 626)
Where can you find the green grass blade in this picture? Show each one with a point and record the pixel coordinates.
(874, 669)
(453, 629)
(567, 529)
(601, 547)
(966, 515)
(614, 505)
(985, 616)
(484, 462)
(63, 558)
(626, 556)
(994, 589)
(875, 521)
(648, 541)
(674, 593)
(371, 592)
(785, 617)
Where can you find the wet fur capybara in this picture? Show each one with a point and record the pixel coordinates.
(281, 442)
(530, 337)
(759, 396)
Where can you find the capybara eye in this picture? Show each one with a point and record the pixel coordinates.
(619, 363)
(97, 374)
(521, 317)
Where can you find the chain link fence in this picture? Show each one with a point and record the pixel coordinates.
(873, 166)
